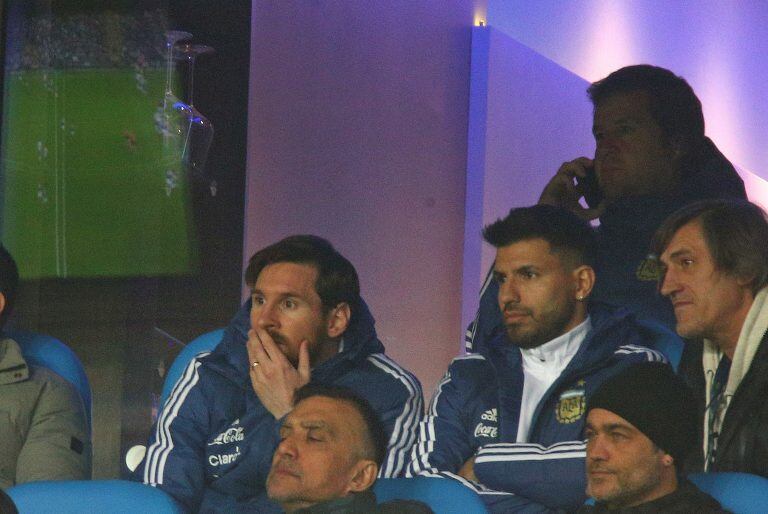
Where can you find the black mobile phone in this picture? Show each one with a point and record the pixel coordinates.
(590, 189)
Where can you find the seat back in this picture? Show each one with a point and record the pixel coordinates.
(664, 340)
(741, 493)
(86, 496)
(443, 495)
(205, 342)
(48, 352)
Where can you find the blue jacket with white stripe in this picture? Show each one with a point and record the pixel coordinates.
(212, 445)
(476, 409)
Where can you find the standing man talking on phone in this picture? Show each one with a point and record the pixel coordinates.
(651, 158)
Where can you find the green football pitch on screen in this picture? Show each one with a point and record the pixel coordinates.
(92, 183)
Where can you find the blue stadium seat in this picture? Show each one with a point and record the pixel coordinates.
(663, 339)
(206, 342)
(443, 495)
(741, 493)
(203, 343)
(87, 496)
(48, 352)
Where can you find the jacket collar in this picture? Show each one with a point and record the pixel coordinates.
(611, 327)
(749, 370)
(558, 351)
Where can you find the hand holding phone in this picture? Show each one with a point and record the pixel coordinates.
(589, 189)
(574, 180)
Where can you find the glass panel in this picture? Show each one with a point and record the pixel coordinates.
(121, 205)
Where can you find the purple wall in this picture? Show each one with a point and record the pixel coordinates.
(529, 111)
(721, 48)
(358, 130)
(359, 113)
(527, 116)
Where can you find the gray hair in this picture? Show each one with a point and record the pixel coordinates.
(736, 234)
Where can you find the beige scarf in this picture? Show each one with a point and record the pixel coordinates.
(755, 326)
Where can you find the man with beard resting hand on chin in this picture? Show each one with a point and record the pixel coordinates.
(213, 442)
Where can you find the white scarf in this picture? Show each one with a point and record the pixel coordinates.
(752, 332)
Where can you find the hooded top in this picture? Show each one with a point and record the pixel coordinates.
(230, 358)
(212, 445)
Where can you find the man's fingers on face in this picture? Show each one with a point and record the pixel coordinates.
(266, 342)
(255, 349)
(579, 167)
(561, 189)
(566, 170)
(304, 366)
(579, 189)
(583, 164)
(590, 214)
(571, 193)
(271, 348)
(253, 338)
(575, 168)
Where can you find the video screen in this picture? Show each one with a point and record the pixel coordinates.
(92, 180)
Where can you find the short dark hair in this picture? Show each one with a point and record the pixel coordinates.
(564, 231)
(337, 280)
(672, 102)
(735, 232)
(375, 439)
(9, 283)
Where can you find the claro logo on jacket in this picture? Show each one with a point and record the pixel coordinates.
(225, 447)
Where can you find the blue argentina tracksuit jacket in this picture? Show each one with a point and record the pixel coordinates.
(212, 445)
(476, 408)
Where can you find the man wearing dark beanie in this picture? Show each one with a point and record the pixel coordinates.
(641, 424)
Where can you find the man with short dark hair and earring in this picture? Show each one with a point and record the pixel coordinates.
(507, 420)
